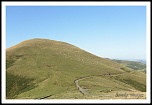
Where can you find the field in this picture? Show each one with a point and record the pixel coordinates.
(48, 69)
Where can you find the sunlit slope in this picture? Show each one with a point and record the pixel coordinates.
(135, 65)
(40, 67)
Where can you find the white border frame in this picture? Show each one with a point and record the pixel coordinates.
(148, 6)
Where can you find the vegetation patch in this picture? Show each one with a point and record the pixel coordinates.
(135, 84)
(9, 63)
(11, 60)
(17, 84)
(126, 70)
(135, 65)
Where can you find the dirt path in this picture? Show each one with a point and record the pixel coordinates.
(83, 91)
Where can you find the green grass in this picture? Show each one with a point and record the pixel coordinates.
(125, 69)
(53, 66)
(16, 85)
(133, 65)
(11, 60)
(136, 79)
(9, 63)
(104, 84)
(136, 85)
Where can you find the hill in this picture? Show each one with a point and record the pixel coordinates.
(135, 65)
(48, 69)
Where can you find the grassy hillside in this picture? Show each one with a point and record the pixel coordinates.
(42, 68)
(135, 65)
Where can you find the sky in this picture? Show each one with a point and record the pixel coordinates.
(116, 32)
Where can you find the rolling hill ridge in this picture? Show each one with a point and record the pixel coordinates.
(49, 69)
(135, 65)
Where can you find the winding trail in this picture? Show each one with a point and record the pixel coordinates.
(84, 92)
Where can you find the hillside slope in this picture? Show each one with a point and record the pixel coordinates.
(42, 68)
(135, 65)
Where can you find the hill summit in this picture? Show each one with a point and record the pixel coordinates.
(43, 68)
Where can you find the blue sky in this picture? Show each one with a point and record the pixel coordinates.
(108, 31)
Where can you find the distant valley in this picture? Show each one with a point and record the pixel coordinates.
(135, 65)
